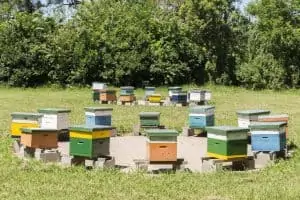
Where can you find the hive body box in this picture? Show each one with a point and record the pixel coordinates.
(127, 94)
(108, 95)
(55, 118)
(90, 142)
(275, 118)
(96, 95)
(42, 138)
(154, 98)
(179, 97)
(227, 142)
(149, 91)
(201, 116)
(245, 117)
(199, 96)
(24, 120)
(162, 145)
(149, 119)
(99, 86)
(95, 116)
(268, 136)
(174, 89)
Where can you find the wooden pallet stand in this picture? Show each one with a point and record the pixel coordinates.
(210, 164)
(143, 164)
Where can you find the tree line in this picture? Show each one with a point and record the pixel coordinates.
(164, 42)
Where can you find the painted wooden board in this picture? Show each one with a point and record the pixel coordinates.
(162, 151)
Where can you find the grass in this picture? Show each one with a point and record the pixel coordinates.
(35, 180)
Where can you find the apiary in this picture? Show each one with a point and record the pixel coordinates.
(108, 95)
(268, 136)
(162, 144)
(149, 91)
(55, 118)
(227, 142)
(90, 142)
(245, 117)
(154, 98)
(201, 116)
(24, 120)
(174, 89)
(149, 119)
(179, 97)
(199, 96)
(42, 138)
(95, 116)
(275, 118)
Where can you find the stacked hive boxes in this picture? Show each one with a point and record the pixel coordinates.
(108, 95)
(42, 138)
(97, 87)
(149, 119)
(24, 120)
(161, 145)
(199, 96)
(171, 90)
(127, 94)
(179, 97)
(227, 142)
(201, 116)
(275, 118)
(268, 136)
(148, 92)
(245, 117)
(95, 116)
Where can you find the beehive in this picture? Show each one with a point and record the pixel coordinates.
(201, 116)
(162, 145)
(179, 97)
(55, 118)
(108, 95)
(245, 117)
(149, 91)
(24, 120)
(226, 142)
(268, 136)
(127, 94)
(42, 138)
(275, 118)
(99, 86)
(96, 95)
(149, 119)
(199, 95)
(90, 142)
(95, 116)
(154, 98)
(174, 89)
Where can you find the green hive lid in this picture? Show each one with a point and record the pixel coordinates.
(149, 114)
(161, 132)
(273, 116)
(150, 88)
(25, 114)
(225, 129)
(94, 109)
(267, 125)
(201, 109)
(175, 88)
(253, 112)
(38, 130)
(89, 129)
(127, 88)
(53, 110)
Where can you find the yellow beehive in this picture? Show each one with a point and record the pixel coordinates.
(155, 98)
(24, 120)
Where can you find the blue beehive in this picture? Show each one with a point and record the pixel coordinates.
(127, 90)
(268, 136)
(201, 116)
(95, 116)
(179, 97)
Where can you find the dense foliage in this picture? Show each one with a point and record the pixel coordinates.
(165, 42)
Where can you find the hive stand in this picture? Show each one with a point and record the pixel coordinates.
(108, 102)
(16, 145)
(143, 164)
(210, 164)
(47, 155)
(263, 158)
(89, 163)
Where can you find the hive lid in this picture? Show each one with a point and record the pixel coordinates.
(149, 114)
(26, 114)
(175, 88)
(273, 116)
(180, 92)
(127, 88)
(155, 95)
(38, 130)
(226, 129)
(161, 132)
(89, 129)
(94, 109)
(150, 88)
(266, 125)
(201, 109)
(253, 112)
(53, 110)
(198, 91)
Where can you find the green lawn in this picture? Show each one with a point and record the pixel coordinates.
(35, 180)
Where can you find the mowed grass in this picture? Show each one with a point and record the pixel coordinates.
(34, 180)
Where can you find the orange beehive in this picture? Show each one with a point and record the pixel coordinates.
(108, 95)
(127, 98)
(39, 138)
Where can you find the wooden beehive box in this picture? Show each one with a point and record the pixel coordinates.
(268, 136)
(149, 91)
(275, 118)
(161, 145)
(227, 142)
(179, 97)
(55, 118)
(171, 90)
(245, 117)
(108, 95)
(96, 95)
(199, 95)
(95, 116)
(42, 138)
(99, 86)
(154, 98)
(149, 119)
(24, 120)
(90, 142)
(201, 116)
(127, 90)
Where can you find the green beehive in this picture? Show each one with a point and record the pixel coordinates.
(149, 119)
(226, 142)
